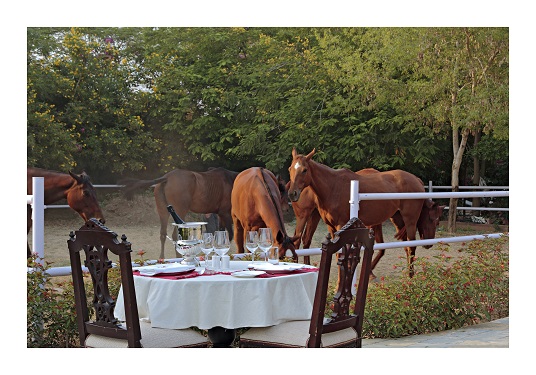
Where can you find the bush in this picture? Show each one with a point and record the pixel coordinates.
(51, 314)
(443, 294)
(51, 309)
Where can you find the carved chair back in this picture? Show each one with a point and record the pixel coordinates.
(95, 240)
(349, 240)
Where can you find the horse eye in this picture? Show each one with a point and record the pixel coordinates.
(304, 171)
(86, 193)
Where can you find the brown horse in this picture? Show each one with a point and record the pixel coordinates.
(332, 188)
(199, 192)
(76, 188)
(257, 202)
(308, 217)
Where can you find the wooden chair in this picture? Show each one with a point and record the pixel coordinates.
(342, 329)
(94, 239)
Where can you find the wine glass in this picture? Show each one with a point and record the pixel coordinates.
(265, 240)
(221, 242)
(207, 247)
(252, 243)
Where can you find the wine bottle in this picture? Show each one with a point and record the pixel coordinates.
(174, 215)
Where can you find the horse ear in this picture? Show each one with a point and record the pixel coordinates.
(76, 177)
(310, 155)
(294, 152)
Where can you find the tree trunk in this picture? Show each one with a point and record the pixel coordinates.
(458, 148)
(476, 168)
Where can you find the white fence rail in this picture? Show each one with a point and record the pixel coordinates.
(38, 207)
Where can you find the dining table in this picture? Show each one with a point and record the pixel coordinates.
(241, 296)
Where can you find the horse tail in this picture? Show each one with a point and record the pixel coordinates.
(132, 185)
(401, 234)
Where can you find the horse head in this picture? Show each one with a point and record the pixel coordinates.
(283, 192)
(286, 243)
(82, 198)
(429, 220)
(299, 178)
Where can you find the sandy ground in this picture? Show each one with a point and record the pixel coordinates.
(138, 220)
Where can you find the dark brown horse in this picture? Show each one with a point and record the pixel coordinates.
(308, 217)
(257, 202)
(332, 188)
(199, 192)
(75, 188)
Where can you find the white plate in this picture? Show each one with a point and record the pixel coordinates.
(247, 273)
(164, 269)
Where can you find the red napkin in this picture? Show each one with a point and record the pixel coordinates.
(171, 276)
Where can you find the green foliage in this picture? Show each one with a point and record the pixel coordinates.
(51, 308)
(443, 294)
(51, 312)
(85, 107)
(123, 100)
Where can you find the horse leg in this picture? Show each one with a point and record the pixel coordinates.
(378, 237)
(410, 253)
(411, 233)
(239, 236)
(226, 223)
(310, 228)
(163, 235)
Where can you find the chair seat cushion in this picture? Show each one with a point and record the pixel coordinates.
(295, 334)
(153, 338)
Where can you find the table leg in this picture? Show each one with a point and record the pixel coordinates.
(221, 337)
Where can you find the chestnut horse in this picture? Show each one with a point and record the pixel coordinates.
(257, 200)
(332, 188)
(199, 192)
(308, 217)
(76, 188)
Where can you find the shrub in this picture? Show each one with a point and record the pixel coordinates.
(51, 315)
(443, 294)
(51, 309)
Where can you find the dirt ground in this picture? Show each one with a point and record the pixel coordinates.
(137, 219)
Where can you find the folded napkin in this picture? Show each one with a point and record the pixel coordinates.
(170, 276)
(300, 270)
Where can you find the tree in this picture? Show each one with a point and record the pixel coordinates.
(85, 107)
(461, 82)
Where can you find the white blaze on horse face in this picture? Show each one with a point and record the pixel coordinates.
(297, 165)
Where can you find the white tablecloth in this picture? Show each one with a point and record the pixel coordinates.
(223, 300)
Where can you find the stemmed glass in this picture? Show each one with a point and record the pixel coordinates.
(207, 246)
(252, 243)
(265, 240)
(221, 242)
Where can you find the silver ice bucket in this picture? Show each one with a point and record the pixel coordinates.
(189, 240)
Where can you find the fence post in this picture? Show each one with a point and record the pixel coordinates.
(354, 199)
(38, 217)
(354, 212)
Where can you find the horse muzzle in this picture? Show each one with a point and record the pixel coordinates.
(294, 195)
